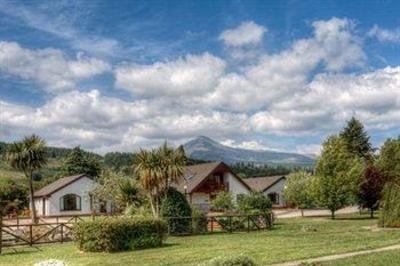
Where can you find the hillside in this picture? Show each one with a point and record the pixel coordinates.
(204, 148)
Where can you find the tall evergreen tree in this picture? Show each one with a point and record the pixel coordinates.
(79, 162)
(357, 139)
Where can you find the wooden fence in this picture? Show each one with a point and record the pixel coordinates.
(17, 232)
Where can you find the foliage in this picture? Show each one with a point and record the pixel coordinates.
(119, 162)
(142, 211)
(297, 190)
(28, 156)
(223, 201)
(390, 206)
(389, 159)
(199, 221)
(370, 188)
(337, 175)
(230, 261)
(175, 207)
(255, 203)
(13, 196)
(122, 191)
(250, 169)
(119, 234)
(78, 161)
(357, 139)
(156, 170)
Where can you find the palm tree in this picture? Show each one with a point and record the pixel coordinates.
(157, 169)
(172, 162)
(147, 168)
(28, 156)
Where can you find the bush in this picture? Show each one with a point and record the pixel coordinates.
(232, 224)
(176, 208)
(118, 234)
(199, 221)
(230, 261)
(13, 196)
(255, 203)
(223, 202)
(390, 206)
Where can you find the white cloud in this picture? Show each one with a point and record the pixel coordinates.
(247, 33)
(50, 68)
(248, 145)
(192, 75)
(385, 35)
(305, 89)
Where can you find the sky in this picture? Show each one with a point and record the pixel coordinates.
(121, 75)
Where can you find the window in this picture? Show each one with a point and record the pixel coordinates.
(70, 202)
(274, 197)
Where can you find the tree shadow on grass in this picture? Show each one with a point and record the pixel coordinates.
(19, 251)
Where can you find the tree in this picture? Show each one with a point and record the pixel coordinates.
(28, 156)
(147, 169)
(389, 159)
(357, 139)
(172, 161)
(13, 196)
(337, 175)
(156, 170)
(297, 190)
(223, 201)
(390, 205)
(176, 208)
(371, 187)
(78, 161)
(122, 191)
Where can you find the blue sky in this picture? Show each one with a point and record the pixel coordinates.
(120, 75)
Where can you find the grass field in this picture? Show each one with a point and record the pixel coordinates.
(387, 258)
(291, 239)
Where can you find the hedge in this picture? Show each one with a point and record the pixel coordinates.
(119, 234)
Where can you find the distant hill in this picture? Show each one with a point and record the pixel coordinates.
(204, 148)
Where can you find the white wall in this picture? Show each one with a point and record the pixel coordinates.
(235, 186)
(278, 188)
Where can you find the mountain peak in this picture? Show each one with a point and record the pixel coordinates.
(205, 148)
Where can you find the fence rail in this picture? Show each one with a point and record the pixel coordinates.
(17, 233)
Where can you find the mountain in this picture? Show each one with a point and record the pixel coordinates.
(204, 148)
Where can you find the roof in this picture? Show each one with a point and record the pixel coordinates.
(57, 185)
(263, 183)
(194, 175)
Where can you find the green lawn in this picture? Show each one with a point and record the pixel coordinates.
(386, 258)
(287, 241)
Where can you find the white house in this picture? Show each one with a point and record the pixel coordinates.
(69, 196)
(271, 186)
(202, 182)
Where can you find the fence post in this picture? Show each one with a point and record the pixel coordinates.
(248, 223)
(230, 224)
(17, 222)
(1, 232)
(62, 234)
(212, 224)
(30, 235)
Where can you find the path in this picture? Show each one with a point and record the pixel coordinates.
(338, 256)
(297, 213)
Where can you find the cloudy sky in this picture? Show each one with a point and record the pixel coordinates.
(118, 75)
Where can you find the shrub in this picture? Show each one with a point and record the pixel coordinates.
(223, 202)
(232, 223)
(230, 261)
(13, 196)
(255, 203)
(176, 208)
(199, 221)
(118, 234)
(390, 206)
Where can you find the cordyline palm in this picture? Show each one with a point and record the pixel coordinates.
(28, 156)
(172, 162)
(157, 169)
(147, 168)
